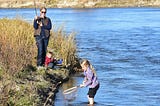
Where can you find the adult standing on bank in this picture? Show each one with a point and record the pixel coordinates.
(42, 26)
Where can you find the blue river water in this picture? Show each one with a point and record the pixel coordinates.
(123, 44)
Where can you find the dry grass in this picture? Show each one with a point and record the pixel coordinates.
(64, 46)
(16, 45)
(16, 52)
(18, 49)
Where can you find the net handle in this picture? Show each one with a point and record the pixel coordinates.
(70, 90)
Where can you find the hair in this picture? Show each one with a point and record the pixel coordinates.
(50, 52)
(87, 63)
(43, 8)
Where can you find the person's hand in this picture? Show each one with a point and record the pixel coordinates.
(40, 24)
(81, 85)
(36, 17)
(84, 82)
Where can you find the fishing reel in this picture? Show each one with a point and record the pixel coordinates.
(39, 20)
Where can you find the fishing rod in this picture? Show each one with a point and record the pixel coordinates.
(35, 8)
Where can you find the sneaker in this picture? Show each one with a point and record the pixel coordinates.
(40, 68)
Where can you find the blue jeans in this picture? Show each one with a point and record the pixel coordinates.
(42, 44)
(51, 65)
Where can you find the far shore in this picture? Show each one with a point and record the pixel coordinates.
(76, 4)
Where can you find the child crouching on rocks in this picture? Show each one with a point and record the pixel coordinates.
(50, 61)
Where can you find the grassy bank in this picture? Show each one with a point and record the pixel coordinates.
(20, 83)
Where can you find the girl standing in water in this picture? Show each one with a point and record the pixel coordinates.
(90, 80)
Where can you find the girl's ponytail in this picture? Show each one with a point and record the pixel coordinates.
(93, 70)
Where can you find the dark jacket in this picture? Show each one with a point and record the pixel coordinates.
(47, 25)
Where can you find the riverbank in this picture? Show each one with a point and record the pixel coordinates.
(33, 87)
(78, 3)
(21, 84)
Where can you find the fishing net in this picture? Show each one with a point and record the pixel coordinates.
(70, 94)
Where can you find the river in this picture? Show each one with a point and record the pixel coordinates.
(123, 44)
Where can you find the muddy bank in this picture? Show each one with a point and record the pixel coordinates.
(34, 87)
(55, 77)
(40, 85)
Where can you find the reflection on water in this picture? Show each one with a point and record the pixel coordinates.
(69, 84)
(60, 97)
(70, 90)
